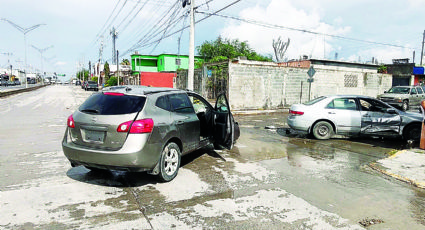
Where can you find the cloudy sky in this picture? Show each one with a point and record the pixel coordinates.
(71, 32)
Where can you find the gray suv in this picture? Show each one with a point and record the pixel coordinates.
(136, 128)
(403, 96)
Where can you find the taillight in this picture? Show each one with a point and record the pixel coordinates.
(139, 126)
(113, 94)
(70, 122)
(296, 113)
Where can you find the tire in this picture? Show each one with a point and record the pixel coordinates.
(169, 163)
(322, 130)
(412, 132)
(405, 105)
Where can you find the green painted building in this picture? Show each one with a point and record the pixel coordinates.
(159, 63)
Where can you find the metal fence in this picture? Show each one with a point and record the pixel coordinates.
(209, 81)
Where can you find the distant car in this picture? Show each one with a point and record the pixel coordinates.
(17, 82)
(78, 82)
(31, 80)
(136, 128)
(91, 85)
(353, 115)
(403, 97)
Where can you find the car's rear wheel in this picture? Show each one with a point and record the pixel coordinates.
(169, 163)
(412, 132)
(405, 105)
(322, 130)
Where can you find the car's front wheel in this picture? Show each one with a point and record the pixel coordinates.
(412, 132)
(169, 163)
(405, 105)
(322, 130)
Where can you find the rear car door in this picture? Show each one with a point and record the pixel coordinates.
(420, 93)
(185, 120)
(345, 115)
(376, 118)
(224, 124)
(414, 97)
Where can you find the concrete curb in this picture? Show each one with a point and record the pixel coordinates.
(12, 92)
(256, 112)
(377, 167)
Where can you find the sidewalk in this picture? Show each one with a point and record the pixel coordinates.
(405, 165)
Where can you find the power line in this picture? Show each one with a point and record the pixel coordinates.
(139, 45)
(268, 25)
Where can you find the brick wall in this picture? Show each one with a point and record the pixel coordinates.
(259, 85)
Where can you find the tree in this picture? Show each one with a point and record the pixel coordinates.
(224, 49)
(125, 62)
(106, 70)
(83, 75)
(112, 81)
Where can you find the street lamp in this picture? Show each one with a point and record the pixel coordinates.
(41, 57)
(24, 31)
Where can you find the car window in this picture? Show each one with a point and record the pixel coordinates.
(106, 104)
(198, 105)
(342, 103)
(413, 91)
(368, 104)
(162, 102)
(180, 103)
(419, 89)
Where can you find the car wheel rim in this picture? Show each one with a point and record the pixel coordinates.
(171, 161)
(323, 130)
(405, 106)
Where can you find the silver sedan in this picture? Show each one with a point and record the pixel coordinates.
(353, 115)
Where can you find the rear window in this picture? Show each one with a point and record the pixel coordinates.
(103, 104)
(314, 101)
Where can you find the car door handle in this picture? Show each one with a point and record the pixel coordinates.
(331, 112)
(180, 122)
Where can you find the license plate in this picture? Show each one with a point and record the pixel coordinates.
(93, 136)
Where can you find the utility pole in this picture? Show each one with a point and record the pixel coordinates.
(8, 61)
(191, 71)
(422, 52)
(90, 69)
(118, 69)
(114, 34)
(100, 60)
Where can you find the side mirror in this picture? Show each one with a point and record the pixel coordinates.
(391, 111)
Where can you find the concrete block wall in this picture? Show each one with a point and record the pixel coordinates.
(256, 86)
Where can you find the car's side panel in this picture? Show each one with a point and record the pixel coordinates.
(346, 121)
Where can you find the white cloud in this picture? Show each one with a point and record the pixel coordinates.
(284, 13)
(60, 63)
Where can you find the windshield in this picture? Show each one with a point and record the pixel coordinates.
(400, 90)
(314, 101)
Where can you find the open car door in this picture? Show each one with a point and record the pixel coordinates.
(224, 125)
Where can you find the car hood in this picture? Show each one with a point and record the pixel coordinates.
(393, 95)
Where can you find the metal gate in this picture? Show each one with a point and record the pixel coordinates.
(209, 81)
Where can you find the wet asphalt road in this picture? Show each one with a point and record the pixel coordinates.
(270, 180)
